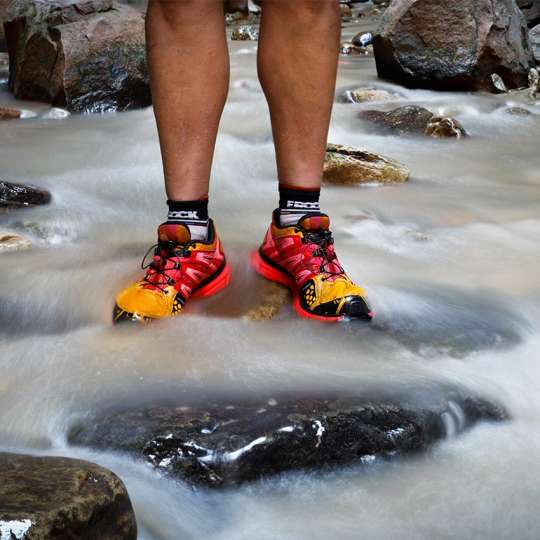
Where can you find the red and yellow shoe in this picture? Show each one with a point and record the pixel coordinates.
(302, 257)
(180, 269)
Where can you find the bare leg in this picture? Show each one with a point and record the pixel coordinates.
(189, 72)
(297, 64)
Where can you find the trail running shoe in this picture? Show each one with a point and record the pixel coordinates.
(302, 257)
(180, 269)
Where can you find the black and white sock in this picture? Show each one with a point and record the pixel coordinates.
(294, 203)
(194, 214)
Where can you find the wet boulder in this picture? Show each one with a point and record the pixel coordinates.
(84, 55)
(412, 120)
(453, 45)
(227, 441)
(348, 166)
(54, 497)
(531, 10)
(21, 195)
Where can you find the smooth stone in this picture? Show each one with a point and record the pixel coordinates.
(228, 441)
(10, 241)
(348, 166)
(8, 113)
(363, 95)
(245, 33)
(497, 84)
(453, 46)
(20, 195)
(362, 39)
(105, 71)
(55, 497)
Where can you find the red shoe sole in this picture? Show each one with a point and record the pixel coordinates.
(277, 276)
(217, 284)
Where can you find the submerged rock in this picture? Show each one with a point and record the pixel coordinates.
(54, 497)
(414, 120)
(274, 297)
(11, 241)
(245, 33)
(85, 55)
(20, 195)
(8, 113)
(517, 111)
(230, 441)
(453, 46)
(344, 165)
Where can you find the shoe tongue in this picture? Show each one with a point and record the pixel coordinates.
(174, 232)
(314, 222)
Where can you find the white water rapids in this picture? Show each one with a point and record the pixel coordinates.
(450, 260)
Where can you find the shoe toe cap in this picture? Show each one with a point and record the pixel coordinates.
(356, 307)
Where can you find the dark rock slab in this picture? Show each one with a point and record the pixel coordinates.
(229, 441)
(53, 497)
(21, 195)
(84, 55)
(453, 45)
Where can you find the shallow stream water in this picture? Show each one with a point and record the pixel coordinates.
(450, 260)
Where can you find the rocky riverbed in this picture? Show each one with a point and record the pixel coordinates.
(405, 428)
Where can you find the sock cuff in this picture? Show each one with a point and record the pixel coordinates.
(188, 210)
(298, 199)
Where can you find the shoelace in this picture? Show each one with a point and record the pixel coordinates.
(157, 267)
(324, 240)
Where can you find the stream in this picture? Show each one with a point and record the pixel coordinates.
(450, 261)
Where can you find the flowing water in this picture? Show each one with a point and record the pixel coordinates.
(450, 261)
